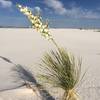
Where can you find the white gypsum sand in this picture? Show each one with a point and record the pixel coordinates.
(26, 47)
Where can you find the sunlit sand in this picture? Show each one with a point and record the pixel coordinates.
(26, 47)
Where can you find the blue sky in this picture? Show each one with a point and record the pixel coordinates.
(60, 13)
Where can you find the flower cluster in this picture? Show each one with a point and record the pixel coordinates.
(36, 22)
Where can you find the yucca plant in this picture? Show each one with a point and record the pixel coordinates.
(26, 78)
(61, 69)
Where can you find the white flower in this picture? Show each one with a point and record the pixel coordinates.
(27, 13)
(46, 30)
(36, 22)
(32, 16)
(19, 6)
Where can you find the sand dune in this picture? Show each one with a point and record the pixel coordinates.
(25, 46)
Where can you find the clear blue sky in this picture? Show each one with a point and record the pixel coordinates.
(60, 13)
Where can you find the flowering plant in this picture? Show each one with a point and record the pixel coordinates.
(36, 22)
(63, 71)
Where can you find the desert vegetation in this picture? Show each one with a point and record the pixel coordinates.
(60, 68)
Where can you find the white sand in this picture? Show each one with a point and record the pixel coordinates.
(25, 46)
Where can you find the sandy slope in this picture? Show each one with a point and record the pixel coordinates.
(18, 94)
(25, 46)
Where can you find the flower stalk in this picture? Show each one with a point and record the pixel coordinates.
(36, 22)
(63, 70)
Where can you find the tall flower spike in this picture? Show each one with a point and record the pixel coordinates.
(36, 22)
